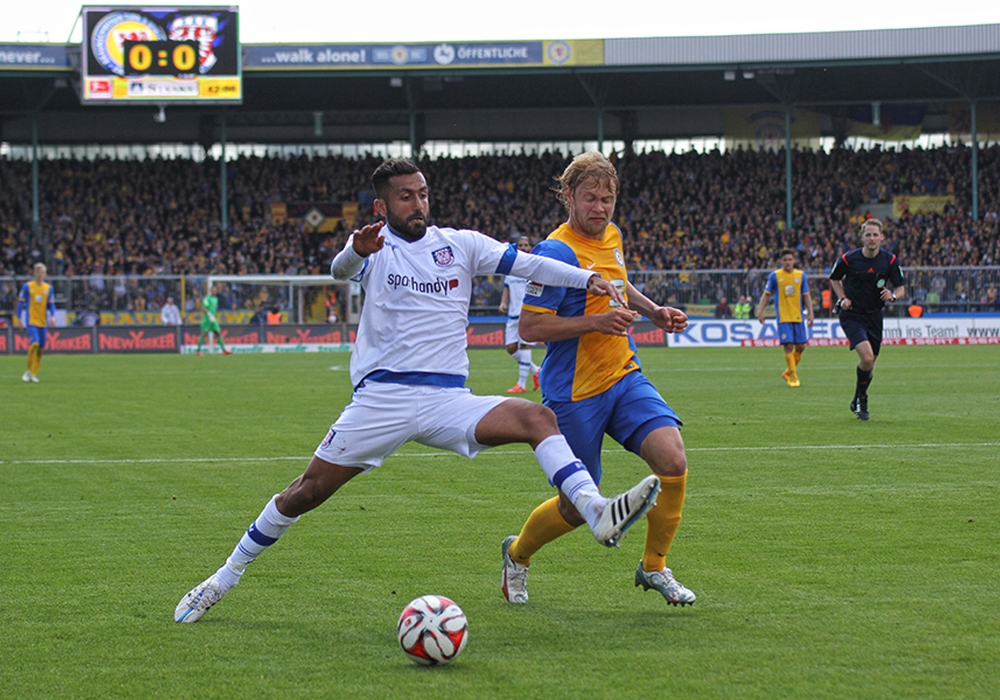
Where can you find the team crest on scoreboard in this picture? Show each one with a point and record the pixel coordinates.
(109, 37)
(201, 28)
(443, 257)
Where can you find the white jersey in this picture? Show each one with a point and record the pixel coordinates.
(516, 287)
(417, 296)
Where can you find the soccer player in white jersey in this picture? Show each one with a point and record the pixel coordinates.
(510, 304)
(409, 367)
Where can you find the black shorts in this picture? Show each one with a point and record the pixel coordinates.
(861, 327)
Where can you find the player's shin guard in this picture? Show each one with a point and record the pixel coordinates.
(663, 519)
(798, 357)
(262, 533)
(544, 524)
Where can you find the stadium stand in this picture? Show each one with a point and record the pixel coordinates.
(681, 211)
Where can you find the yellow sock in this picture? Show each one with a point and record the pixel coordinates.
(798, 356)
(34, 358)
(790, 363)
(662, 521)
(543, 525)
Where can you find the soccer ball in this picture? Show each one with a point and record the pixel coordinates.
(432, 630)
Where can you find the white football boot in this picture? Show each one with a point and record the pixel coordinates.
(664, 581)
(198, 600)
(623, 510)
(515, 576)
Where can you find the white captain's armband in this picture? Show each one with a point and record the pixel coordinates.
(620, 286)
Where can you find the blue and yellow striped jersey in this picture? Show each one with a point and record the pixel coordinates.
(787, 288)
(582, 367)
(37, 299)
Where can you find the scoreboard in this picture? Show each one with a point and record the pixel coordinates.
(160, 54)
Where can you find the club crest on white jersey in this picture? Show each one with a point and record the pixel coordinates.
(443, 257)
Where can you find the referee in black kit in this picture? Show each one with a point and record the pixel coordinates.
(864, 280)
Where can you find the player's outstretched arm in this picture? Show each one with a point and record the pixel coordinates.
(367, 240)
(360, 245)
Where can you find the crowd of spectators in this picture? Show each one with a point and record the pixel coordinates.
(688, 211)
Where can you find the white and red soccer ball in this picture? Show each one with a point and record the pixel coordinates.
(432, 630)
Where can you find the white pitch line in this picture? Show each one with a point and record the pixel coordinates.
(442, 453)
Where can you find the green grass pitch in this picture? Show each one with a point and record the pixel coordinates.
(832, 558)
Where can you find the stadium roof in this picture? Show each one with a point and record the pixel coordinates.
(613, 89)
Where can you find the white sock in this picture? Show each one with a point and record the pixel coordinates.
(568, 474)
(262, 533)
(524, 366)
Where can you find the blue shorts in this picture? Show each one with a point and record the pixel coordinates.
(793, 332)
(37, 334)
(628, 411)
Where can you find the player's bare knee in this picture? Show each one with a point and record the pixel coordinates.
(671, 463)
(542, 421)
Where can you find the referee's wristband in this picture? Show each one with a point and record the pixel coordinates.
(894, 297)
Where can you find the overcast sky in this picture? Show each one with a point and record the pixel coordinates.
(391, 21)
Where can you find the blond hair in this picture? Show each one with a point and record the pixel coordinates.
(586, 166)
(873, 222)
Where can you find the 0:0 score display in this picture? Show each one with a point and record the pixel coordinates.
(160, 57)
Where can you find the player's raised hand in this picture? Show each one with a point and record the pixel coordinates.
(600, 287)
(367, 240)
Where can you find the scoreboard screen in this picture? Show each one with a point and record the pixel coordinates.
(160, 54)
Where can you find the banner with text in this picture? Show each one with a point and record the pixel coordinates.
(827, 331)
(313, 57)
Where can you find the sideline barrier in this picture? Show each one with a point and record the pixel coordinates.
(951, 330)
(166, 339)
(943, 330)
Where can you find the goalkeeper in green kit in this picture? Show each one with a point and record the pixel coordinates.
(210, 322)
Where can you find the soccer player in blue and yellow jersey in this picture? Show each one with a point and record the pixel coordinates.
(591, 378)
(790, 290)
(36, 310)
(864, 280)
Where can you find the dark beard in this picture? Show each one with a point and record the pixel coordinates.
(411, 230)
